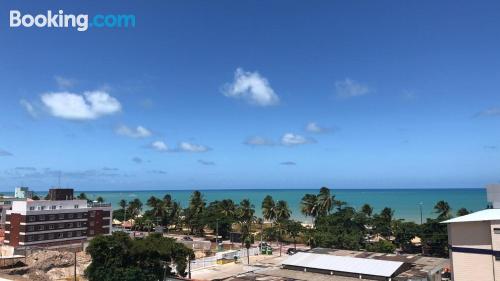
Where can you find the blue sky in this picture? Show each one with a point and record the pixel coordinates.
(253, 94)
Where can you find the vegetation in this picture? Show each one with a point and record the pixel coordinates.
(118, 257)
(335, 224)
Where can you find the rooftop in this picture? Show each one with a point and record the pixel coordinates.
(345, 264)
(484, 215)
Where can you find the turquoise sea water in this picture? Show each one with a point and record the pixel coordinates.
(405, 202)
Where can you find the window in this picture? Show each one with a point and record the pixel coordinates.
(496, 230)
(91, 223)
(78, 233)
(76, 206)
(51, 226)
(60, 235)
(31, 218)
(92, 214)
(30, 238)
(31, 228)
(69, 225)
(41, 227)
(61, 216)
(91, 232)
(38, 208)
(61, 225)
(79, 224)
(70, 234)
(52, 217)
(53, 207)
(70, 216)
(32, 208)
(51, 236)
(40, 237)
(41, 217)
(42, 208)
(79, 215)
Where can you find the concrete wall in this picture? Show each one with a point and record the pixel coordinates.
(472, 266)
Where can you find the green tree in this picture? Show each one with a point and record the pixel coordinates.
(404, 232)
(462, 212)
(283, 213)
(343, 229)
(443, 209)
(220, 215)
(245, 216)
(117, 257)
(268, 208)
(293, 229)
(123, 204)
(382, 246)
(367, 210)
(100, 199)
(435, 238)
(134, 208)
(194, 214)
(309, 206)
(248, 244)
(383, 222)
(325, 201)
(82, 196)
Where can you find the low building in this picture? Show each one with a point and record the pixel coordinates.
(55, 222)
(23, 192)
(474, 242)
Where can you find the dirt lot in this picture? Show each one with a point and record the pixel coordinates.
(48, 265)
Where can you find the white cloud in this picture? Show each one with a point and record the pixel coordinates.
(258, 141)
(5, 153)
(349, 88)
(159, 145)
(252, 87)
(63, 82)
(494, 111)
(90, 105)
(138, 132)
(190, 147)
(293, 139)
(206, 163)
(29, 108)
(313, 127)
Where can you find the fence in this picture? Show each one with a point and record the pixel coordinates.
(212, 261)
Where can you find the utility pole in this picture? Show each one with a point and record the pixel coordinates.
(75, 263)
(217, 237)
(421, 216)
(189, 266)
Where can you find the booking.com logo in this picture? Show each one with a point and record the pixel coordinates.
(61, 20)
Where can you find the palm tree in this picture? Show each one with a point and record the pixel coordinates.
(245, 216)
(283, 213)
(123, 204)
(309, 206)
(367, 210)
(325, 201)
(82, 196)
(462, 212)
(135, 207)
(99, 199)
(268, 208)
(443, 210)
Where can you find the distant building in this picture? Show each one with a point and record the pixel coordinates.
(60, 194)
(22, 192)
(55, 222)
(474, 242)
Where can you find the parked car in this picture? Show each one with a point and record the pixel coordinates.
(187, 238)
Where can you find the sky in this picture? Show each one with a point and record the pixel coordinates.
(253, 94)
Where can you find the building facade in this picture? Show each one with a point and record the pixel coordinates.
(474, 242)
(55, 222)
(22, 192)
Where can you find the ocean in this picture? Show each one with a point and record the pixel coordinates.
(405, 202)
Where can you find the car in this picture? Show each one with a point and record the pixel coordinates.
(292, 251)
(187, 238)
